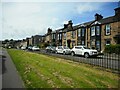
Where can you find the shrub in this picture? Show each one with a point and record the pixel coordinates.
(113, 49)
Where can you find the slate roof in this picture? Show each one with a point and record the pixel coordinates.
(87, 24)
(109, 19)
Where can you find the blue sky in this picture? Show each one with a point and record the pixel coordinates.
(24, 19)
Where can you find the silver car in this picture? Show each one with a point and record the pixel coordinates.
(63, 50)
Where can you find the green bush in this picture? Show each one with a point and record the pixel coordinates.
(113, 49)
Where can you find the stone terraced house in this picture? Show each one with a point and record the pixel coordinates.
(94, 34)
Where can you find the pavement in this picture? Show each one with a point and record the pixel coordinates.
(10, 75)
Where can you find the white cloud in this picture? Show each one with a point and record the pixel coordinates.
(88, 7)
(24, 19)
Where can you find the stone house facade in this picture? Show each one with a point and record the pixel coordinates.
(93, 34)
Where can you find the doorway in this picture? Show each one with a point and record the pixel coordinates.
(68, 43)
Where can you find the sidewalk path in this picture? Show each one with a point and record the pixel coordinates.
(10, 77)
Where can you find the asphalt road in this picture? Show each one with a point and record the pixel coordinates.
(106, 61)
(10, 76)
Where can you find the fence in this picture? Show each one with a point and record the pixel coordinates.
(108, 61)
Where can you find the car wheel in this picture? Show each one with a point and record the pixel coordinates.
(86, 55)
(72, 53)
(56, 52)
(64, 53)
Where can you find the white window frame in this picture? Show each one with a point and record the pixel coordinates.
(98, 44)
(107, 43)
(79, 32)
(83, 31)
(97, 30)
(54, 36)
(73, 34)
(64, 35)
(93, 31)
(83, 42)
(107, 27)
(60, 36)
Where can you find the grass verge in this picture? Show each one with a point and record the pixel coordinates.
(42, 71)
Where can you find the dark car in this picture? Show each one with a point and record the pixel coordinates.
(51, 49)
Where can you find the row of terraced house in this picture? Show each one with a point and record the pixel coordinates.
(94, 34)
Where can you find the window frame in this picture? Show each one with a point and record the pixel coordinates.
(107, 28)
(64, 36)
(97, 30)
(83, 32)
(73, 34)
(106, 42)
(79, 32)
(92, 31)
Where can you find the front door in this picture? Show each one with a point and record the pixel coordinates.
(68, 43)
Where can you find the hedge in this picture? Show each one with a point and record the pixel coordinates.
(113, 49)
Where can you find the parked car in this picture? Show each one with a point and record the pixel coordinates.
(29, 47)
(35, 48)
(84, 51)
(23, 47)
(63, 49)
(50, 49)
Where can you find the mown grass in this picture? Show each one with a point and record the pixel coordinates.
(42, 71)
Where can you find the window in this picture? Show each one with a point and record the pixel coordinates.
(60, 36)
(60, 43)
(78, 43)
(92, 44)
(98, 45)
(83, 31)
(107, 29)
(53, 36)
(108, 42)
(64, 35)
(83, 42)
(73, 34)
(93, 31)
(97, 30)
(79, 32)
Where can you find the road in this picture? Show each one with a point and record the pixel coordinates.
(106, 61)
(10, 76)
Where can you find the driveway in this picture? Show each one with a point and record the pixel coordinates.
(10, 76)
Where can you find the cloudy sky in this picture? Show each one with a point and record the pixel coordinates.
(22, 19)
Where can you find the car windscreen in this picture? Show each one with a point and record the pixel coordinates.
(66, 47)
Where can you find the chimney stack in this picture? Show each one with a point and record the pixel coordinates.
(49, 31)
(65, 25)
(117, 11)
(98, 16)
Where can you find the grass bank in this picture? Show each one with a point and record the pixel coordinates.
(41, 71)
